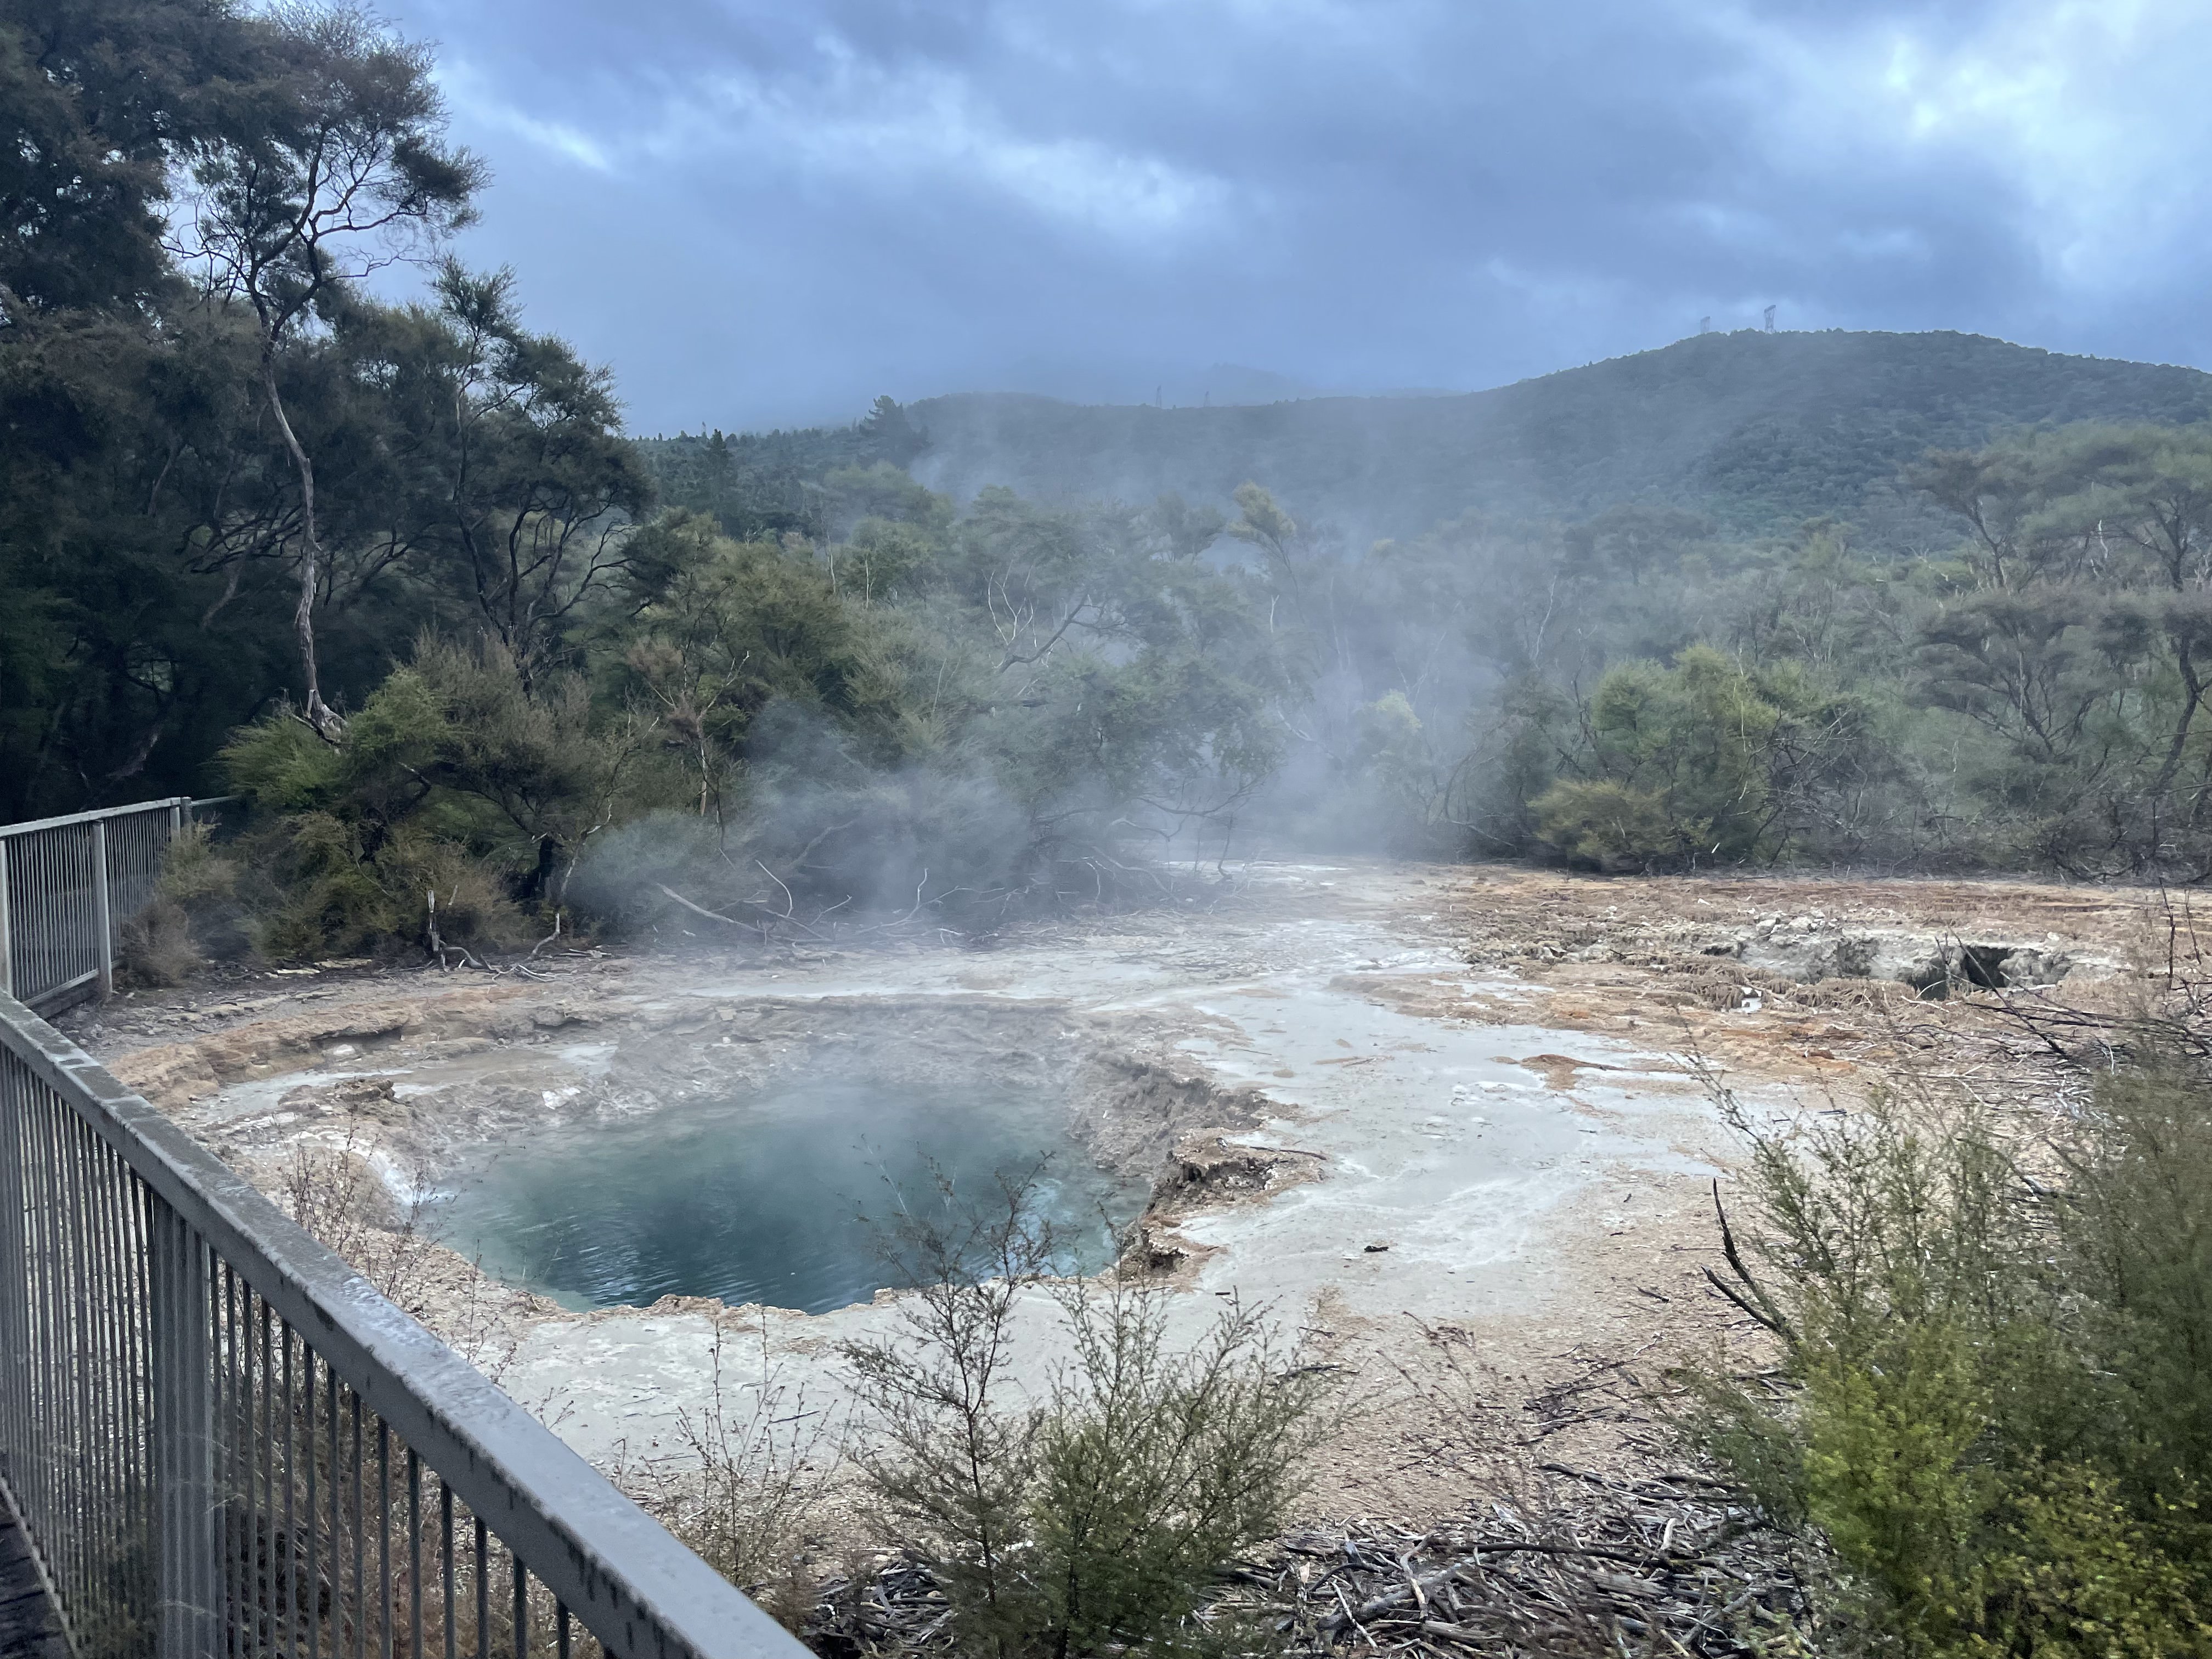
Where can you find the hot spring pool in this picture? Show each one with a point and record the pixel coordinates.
(779, 1196)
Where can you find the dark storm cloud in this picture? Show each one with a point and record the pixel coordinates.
(761, 211)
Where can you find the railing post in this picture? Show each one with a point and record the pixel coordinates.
(7, 937)
(14, 1281)
(189, 1612)
(101, 918)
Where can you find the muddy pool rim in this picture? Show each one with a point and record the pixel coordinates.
(221, 1440)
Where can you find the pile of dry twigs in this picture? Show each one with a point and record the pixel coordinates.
(1670, 1564)
(1580, 1564)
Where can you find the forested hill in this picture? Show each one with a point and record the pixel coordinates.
(1760, 430)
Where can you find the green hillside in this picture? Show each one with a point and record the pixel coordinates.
(1760, 430)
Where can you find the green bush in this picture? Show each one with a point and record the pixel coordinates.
(1702, 762)
(460, 776)
(339, 898)
(1098, 1519)
(1612, 825)
(193, 914)
(1992, 1410)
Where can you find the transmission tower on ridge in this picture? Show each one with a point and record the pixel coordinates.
(1770, 320)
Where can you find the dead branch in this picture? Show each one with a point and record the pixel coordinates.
(1766, 1313)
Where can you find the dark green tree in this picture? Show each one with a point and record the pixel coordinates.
(330, 165)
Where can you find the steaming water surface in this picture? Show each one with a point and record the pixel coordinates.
(769, 1197)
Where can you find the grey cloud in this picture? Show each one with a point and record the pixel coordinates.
(772, 211)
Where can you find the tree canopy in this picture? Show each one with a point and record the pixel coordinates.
(394, 570)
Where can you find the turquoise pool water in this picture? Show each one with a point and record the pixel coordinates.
(781, 1197)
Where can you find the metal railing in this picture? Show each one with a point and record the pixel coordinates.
(222, 1441)
(67, 886)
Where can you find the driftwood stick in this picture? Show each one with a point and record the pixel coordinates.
(1764, 1313)
(437, 944)
(698, 910)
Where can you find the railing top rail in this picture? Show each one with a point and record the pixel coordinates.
(67, 819)
(631, 1582)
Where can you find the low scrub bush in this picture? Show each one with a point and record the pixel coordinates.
(339, 1195)
(755, 1467)
(1989, 1414)
(462, 778)
(1702, 763)
(194, 914)
(1094, 1515)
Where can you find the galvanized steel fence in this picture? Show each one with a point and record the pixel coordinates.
(223, 1442)
(68, 886)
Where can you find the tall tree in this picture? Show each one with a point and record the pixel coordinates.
(332, 165)
(95, 96)
(521, 489)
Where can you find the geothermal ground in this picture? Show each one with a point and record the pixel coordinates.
(1400, 1107)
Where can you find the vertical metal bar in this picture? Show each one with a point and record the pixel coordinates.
(102, 923)
(337, 1575)
(187, 1625)
(66, 920)
(208, 1562)
(92, 1503)
(113, 1205)
(414, 1554)
(27, 916)
(72, 922)
(23, 919)
(383, 1531)
(37, 913)
(7, 932)
(483, 1590)
(314, 1554)
(268, 1452)
(90, 1460)
(445, 1560)
(47, 849)
(37, 1493)
(104, 1169)
(41, 911)
(62, 1542)
(249, 1524)
(235, 1537)
(521, 1608)
(16, 1355)
(98, 1341)
(61, 1365)
(360, 1547)
(561, 1629)
(14, 1269)
(291, 1488)
(131, 1336)
(60, 910)
(75, 1400)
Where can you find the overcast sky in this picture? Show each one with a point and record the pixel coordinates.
(763, 211)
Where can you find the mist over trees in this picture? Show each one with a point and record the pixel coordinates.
(395, 572)
(2025, 695)
(1757, 431)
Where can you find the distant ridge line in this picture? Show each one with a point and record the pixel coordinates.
(1760, 430)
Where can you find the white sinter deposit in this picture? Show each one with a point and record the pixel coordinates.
(1341, 1127)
